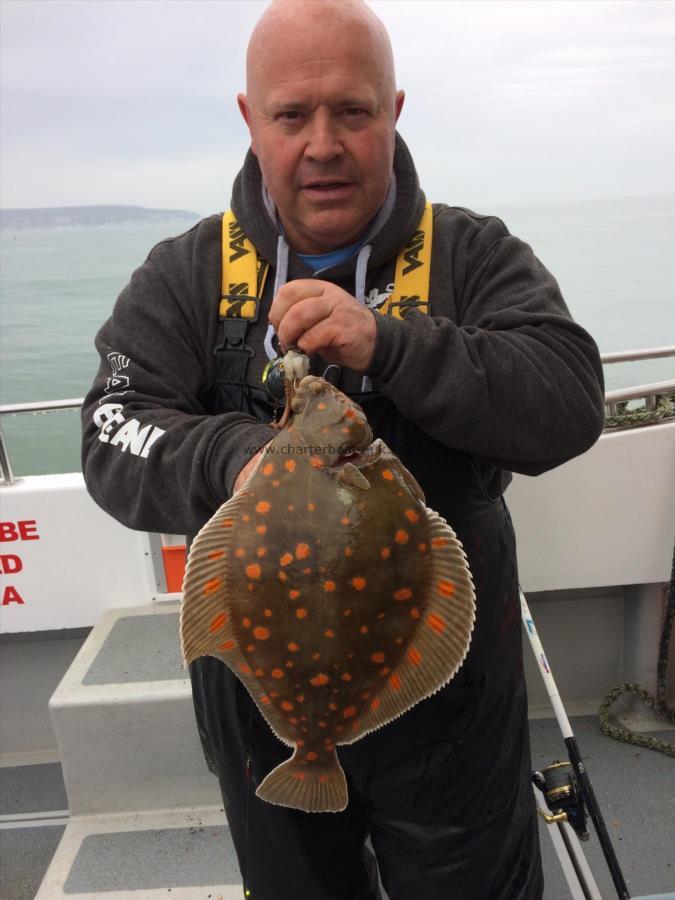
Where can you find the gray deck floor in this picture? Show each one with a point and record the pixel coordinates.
(635, 789)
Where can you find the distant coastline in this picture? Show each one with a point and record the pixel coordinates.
(68, 216)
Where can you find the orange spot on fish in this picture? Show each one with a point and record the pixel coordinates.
(294, 594)
(282, 576)
(348, 551)
(385, 671)
(294, 721)
(363, 629)
(245, 518)
(319, 679)
(447, 588)
(345, 520)
(402, 594)
(261, 551)
(414, 656)
(286, 559)
(385, 553)
(374, 704)
(301, 613)
(292, 647)
(227, 523)
(265, 699)
(377, 657)
(395, 682)
(316, 656)
(329, 633)
(276, 482)
(215, 554)
(268, 613)
(436, 623)
(439, 542)
(311, 756)
(277, 673)
(332, 706)
(311, 507)
(259, 673)
(422, 547)
(346, 676)
(228, 645)
(261, 634)
(246, 622)
(321, 405)
(300, 698)
(244, 669)
(288, 664)
(251, 587)
(349, 712)
(329, 586)
(299, 776)
(289, 465)
(239, 552)
(307, 571)
(349, 413)
(261, 529)
(286, 705)
(262, 507)
(388, 475)
(218, 623)
(322, 724)
(290, 507)
(302, 551)
(359, 583)
(250, 648)
(347, 612)
(253, 571)
(401, 536)
(316, 462)
(415, 613)
(268, 468)
(211, 586)
(412, 515)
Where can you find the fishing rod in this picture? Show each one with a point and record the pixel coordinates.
(568, 790)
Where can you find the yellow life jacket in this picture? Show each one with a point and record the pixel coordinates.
(243, 274)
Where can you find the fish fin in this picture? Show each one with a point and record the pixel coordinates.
(205, 615)
(206, 627)
(302, 786)
(441, 640)
(351, 476)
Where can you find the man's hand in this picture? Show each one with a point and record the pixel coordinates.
(319, 317)
(246, 470)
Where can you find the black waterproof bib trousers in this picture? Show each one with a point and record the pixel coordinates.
(444, 791)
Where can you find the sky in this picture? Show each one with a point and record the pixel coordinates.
(507, 101)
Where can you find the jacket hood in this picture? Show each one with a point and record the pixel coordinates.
(249, 207)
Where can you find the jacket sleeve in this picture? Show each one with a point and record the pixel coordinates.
(514, 380)
(151, 455)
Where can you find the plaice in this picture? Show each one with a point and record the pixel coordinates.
(330, 590)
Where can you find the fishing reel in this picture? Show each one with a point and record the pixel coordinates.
(559, 785)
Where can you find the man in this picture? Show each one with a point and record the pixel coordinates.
(494, 377)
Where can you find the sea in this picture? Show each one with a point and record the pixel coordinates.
(614, 260)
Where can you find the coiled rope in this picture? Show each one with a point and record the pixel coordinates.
(659, 702)
(634, 418)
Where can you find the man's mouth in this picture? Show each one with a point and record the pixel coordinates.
(328, 188)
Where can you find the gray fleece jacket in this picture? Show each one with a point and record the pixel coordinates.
(498, 370)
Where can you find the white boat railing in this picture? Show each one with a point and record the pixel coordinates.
(650, 393)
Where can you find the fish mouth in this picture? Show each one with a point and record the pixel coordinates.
(359, 457)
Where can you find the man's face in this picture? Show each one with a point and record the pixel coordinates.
(322, 126)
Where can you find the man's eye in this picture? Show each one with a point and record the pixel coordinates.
(289, 115)
(354, 111)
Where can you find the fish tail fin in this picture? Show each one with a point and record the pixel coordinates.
(309, 787)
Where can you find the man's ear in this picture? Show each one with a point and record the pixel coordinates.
(398, 104)
(245, 110)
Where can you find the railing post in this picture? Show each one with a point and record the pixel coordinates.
(6, 473)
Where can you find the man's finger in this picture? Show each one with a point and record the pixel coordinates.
(302, 316)
(291, 293)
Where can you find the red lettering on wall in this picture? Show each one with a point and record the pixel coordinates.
(9, 564)
(11, 595)
(24, 530)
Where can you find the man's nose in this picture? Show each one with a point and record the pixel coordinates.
(323, 144)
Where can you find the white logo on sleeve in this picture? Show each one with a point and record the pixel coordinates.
(127, 434)
(117, 383)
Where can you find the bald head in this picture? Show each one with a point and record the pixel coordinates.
(321, 106)
(331, 22)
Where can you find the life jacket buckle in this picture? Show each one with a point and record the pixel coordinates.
(234, 336)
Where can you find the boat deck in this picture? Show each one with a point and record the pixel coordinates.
(635, 788)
